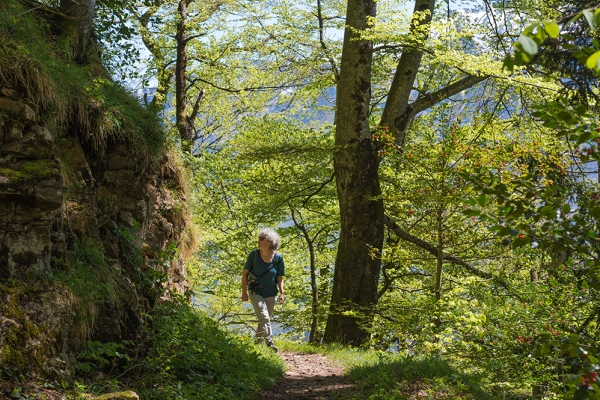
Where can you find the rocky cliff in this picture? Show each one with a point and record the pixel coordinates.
(91, 224)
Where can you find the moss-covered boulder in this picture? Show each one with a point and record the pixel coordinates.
(126, 395)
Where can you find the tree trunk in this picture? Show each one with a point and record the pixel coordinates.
(181, 118)
(312, 336)
(440, 264)
(78, 26)
(440, 257)
(358, 263)
(398, 112)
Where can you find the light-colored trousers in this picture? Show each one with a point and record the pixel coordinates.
(263, 307)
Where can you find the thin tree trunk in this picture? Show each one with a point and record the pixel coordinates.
(440, 258)
(181, 120)
(312, 336)
(440, 263)
(78, 28)
(314, 325)
(358, 263)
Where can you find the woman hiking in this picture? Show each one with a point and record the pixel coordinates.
(268, 267)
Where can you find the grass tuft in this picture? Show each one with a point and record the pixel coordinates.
(93, 282)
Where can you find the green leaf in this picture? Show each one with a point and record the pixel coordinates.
(591, 234)
(552, 29)
(529, 30)
(505, 231)
(521, 57)
(472, 213)
(483, 200)
(509, 64)
(547, 211)
(540, 35)
(520, 242)
(545, 348)
(581, 110)
(568, 46)
(595, 212)
(574, 337)
(529, 45)
(566, 209)
(569, 22)
(581, 393)
(593, 61)
(589, 16)
(584, 137)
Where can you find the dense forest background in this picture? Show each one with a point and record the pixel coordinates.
(432, 168)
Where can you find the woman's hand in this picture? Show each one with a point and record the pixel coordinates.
(244, 285)
(281, 297)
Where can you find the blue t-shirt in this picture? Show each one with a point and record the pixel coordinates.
(267, 284)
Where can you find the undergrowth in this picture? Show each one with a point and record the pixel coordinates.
(191, 357)
(185, 355)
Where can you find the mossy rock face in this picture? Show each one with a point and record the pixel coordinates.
(35, 321)
(29, 170)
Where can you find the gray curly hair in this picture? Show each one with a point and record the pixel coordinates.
(271, 236)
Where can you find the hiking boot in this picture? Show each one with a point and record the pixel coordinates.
(272, 346)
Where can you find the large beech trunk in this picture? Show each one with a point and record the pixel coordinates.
(357, 264)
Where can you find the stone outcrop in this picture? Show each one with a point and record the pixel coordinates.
(31, 189)
(56, 191)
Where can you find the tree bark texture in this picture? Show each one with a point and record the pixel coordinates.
(357, 265)
(78, 26)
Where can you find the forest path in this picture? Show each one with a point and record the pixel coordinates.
(310, 376)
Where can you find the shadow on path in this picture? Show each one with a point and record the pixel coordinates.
(310, 376)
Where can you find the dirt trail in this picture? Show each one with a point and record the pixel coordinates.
(310, 376)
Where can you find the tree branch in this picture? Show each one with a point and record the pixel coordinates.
(247, 89)
(319, 188)
(391, 224)
(190, 38)
(36, 5)
(430, 99)
(334, 68)
(194, 112)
